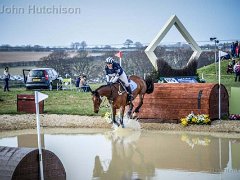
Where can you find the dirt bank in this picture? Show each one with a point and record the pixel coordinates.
(28, 121)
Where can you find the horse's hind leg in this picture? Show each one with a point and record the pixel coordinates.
(136, 110)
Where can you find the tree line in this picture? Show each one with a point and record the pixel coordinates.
(133, 62)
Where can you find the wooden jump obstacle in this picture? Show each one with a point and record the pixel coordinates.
(22, 163)
(172, 101)
(26, 103)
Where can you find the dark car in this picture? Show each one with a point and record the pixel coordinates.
(43, 78)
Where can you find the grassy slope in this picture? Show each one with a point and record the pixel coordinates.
(209, 74)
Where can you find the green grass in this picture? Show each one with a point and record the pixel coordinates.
(58, 102)
(209, 74)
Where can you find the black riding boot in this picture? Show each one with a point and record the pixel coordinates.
(130, 96)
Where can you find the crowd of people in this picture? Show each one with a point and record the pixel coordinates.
(235, 49)
(234, 67)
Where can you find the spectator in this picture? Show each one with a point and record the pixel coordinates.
(230, 68)
(233, 49)
(237, 50)
(83, 84)
(6, 79)
(78, 81)
(236, 69)
(233, 62)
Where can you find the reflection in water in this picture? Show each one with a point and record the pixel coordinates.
(127, 161)
(127, 154)
(29, 140)
(193, 141)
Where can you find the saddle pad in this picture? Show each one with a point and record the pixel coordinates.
(133, 85)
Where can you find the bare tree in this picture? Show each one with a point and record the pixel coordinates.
(137, 63)
(107, 47)
(58, 60)
(128, 43)
(75, 45)
(81, 63)
(138, 45)
(83, 44)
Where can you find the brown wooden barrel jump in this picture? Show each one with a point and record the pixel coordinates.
(171, 102)
(22, 163)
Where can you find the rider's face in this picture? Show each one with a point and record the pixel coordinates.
(109, 66)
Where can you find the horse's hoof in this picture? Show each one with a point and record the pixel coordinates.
(135, 115)
(128, 115)
(123, 126)
(116, 123)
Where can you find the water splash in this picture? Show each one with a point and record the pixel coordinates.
(129, 124)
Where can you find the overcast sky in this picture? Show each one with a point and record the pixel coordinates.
(103, 22)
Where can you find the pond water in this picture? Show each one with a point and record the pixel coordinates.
(128, 154)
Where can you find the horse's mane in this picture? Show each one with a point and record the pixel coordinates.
(104, 86)
(100, 87)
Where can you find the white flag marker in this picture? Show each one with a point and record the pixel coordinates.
(38, 98)
(220, 54)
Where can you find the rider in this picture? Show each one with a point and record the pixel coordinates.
(115, 71)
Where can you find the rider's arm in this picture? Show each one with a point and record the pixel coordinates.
(118, 69)
(107, 76)
(115, 78)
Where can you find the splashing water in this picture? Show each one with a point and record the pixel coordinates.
(128, 123)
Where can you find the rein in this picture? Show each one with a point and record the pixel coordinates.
(111, 95)
(124, 88)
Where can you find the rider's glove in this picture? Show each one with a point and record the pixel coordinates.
(109, 83)
(115, 79)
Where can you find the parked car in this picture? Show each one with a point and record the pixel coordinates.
(42, 78)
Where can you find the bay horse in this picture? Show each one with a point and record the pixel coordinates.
(119, 100)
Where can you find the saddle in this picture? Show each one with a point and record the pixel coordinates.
(122, 87)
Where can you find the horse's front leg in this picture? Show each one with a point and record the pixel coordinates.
(122, 109)
(114, 117)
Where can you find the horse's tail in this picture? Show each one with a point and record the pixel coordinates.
(150, 85)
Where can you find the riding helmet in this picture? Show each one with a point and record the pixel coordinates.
(109, 60)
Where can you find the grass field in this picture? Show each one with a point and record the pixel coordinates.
(58, 102)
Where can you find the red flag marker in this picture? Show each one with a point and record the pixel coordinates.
(119, 54)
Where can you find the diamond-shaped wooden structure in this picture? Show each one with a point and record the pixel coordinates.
(173, 20)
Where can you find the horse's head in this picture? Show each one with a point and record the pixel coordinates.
(96, 101)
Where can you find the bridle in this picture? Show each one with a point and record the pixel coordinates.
(111, 96)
